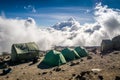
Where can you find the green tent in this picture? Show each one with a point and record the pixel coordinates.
(23, 51)
(81, 51)
(54, 58)
(70, 54)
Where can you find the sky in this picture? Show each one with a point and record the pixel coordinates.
(47, 23)
(49, 12)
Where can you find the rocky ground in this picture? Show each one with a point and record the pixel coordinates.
(93, 67)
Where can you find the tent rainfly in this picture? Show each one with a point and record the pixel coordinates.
(54, 58)
(70, 54)
(81, 51)
(24, 51)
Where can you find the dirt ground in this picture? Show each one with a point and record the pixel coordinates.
(93, 67)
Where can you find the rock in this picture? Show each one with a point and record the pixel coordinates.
(73, 75)
(44, 73)
(8, 70)
(7, 76)
(108, 61)
(17, 79)
(116, 52)
(23, 72)
(100, 77)
(84, 72)
(117, 78)
(8, 57)
(112, 67)
(22, 68)
(50, 72)
(96, 70)
(95, 73)
(89, 57)
(78, 77)
(77, 63)
(74, 63)
(88, 72)
(39, 73)
(63, 70)
(57, 69)
(81, 60)
(85, 75)
(70, 79)
(101, 56)
(1, 59)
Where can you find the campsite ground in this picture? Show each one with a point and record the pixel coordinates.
(107, 67)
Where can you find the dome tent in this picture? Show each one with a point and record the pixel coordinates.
(70, 54)
(81, 51)
(54, 58)
(23, 51)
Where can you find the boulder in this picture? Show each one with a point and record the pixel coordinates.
(117, 78)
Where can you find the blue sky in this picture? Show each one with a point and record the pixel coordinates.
(49, 12)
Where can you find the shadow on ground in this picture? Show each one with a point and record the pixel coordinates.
(5, 71)
(10, 63)
(43, 66)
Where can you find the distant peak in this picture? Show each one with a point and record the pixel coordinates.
(71, 19)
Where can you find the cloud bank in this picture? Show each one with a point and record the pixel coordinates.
(66, 33)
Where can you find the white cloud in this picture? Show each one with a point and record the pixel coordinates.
(87, 11)
(71, 23)
(30, 7)
(107, 25)
(2, 14)
(108, 18)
